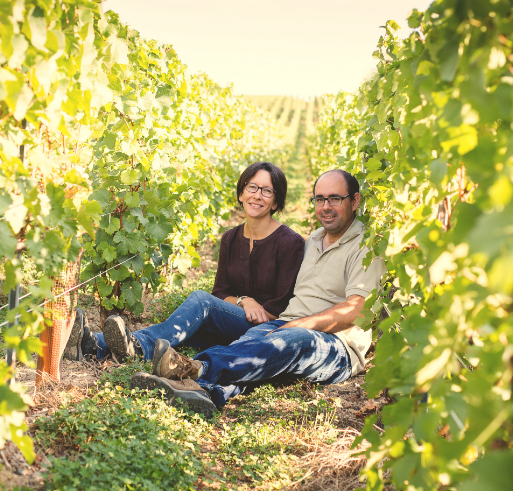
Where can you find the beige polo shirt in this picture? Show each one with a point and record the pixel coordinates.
(328, 278)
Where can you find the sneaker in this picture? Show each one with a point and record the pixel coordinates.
(120, 340)
(172, 365)
(81, 341)
(188, 391)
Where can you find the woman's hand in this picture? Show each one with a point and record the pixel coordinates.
(255, 313)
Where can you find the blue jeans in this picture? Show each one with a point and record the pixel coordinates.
(267, 352)
(202, 320)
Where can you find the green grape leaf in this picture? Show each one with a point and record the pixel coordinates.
(8, 242)
(367, 316)
(138, 308)
(102, 196)
(130, 176)
(464, 137)
(152, 199)
(120, 273)
(104, 289)
(159, 231)
(23, 442)
(114, 225)
(88, 215)
(132, 292)
(137, 212)
(5, 202)
(449, 58)
(137, 264)
(132, 199)
(492, 472)
(109, 254)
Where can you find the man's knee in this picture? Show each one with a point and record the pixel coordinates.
(297, 335)
(258, 332)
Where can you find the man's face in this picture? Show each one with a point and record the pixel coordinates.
(335, 219)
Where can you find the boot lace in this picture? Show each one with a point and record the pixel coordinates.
(187, 364)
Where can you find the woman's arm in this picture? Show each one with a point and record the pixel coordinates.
(254, 311)
(222, 287)
(290, 256)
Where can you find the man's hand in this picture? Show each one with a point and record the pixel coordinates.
(335, 319)
(255, 313)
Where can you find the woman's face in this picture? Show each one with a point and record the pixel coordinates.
(255, 205)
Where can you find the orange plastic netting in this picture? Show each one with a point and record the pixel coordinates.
(62, 314)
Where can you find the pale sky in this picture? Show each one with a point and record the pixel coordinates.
(277, 47)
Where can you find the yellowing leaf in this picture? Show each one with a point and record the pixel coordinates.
(23, 100)
(464, 137)
(19, 46)
(501, 191)
(182, 262)
(432, 369)
(119, 51)
(129, 176)
(193, 230)
(16, 214)
(439, 269)
(37, 24)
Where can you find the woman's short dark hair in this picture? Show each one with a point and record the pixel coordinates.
(277, 178)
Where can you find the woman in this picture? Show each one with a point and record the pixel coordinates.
(258, 264)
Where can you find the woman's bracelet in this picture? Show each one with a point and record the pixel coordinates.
(239, 300)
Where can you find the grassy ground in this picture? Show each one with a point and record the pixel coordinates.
(116, 439)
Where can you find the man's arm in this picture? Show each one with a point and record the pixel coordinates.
(335, 319)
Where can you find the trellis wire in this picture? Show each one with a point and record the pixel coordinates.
(73, 288)
(30, 293)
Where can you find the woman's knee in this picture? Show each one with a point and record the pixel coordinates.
(199, 296)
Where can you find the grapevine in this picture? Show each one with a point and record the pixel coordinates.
(430, 140)
(101, 127)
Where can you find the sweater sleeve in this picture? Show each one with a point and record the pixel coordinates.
(290, 256)
(222, 287)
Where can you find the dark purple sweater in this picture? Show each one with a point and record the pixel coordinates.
(268, 275)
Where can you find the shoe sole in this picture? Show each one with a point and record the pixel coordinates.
(196, 402)
(161, 347)
(114, 333)
(73, 349)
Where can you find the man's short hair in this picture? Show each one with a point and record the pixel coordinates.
(277, 178)
(353, 186)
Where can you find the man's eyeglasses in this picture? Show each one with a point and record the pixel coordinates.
(333, 200)
(266, 192)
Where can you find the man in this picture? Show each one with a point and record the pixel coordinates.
(314, 338)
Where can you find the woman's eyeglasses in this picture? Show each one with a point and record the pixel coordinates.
(334, 200)
(266, 192)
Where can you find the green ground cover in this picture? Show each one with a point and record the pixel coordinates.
(128, 439)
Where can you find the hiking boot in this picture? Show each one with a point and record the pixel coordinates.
(188, 391)
(172, 365)
(120, 340)
(81, 342)
(89, 344)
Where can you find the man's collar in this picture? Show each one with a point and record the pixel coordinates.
(354, 230)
